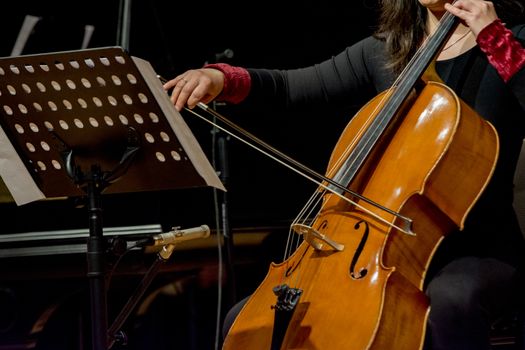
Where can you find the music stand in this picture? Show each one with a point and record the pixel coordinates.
(91, 122)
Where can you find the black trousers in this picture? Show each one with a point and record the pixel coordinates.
(466, 297)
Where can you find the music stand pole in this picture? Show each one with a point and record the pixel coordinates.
(96, 262)
(94, 182)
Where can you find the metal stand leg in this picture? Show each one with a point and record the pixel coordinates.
(114, 333)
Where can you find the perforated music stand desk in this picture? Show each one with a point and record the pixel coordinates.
(92, 121)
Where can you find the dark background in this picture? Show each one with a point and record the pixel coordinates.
(174, 36)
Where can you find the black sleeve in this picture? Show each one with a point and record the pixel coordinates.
(347, 80)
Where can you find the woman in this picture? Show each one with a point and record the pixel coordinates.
(474, 272)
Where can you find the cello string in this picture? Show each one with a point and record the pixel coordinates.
(302, 214)
(306, 215)
(307, 219)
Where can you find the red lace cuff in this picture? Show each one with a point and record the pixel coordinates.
(237, 82)
(503, 51)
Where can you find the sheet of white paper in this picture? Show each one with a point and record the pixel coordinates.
(15, 175)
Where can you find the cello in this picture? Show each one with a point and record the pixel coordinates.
(404, 173)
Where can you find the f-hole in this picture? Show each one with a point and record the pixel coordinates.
(362, 272)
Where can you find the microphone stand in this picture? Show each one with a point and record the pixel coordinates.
(221, 141)
(220, 152)
(168, 242)
(115, 334)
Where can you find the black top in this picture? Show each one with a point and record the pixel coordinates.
(358, 74)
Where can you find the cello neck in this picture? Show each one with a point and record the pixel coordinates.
(426, 54)
(403, 85)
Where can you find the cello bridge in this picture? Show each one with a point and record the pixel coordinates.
(315, 238)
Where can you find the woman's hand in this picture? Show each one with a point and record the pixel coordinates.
(194, 86)
(477, 14)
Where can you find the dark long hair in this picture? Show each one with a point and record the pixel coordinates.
(402, 26)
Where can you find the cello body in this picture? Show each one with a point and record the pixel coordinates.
(431, 167)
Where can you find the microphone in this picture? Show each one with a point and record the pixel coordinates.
(177, 236)
(225, 55)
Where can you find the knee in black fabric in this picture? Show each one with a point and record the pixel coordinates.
(231, 316)
(465, 296)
